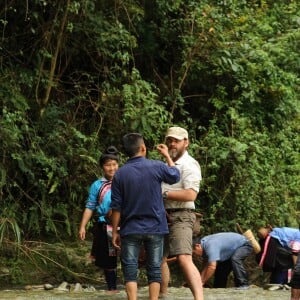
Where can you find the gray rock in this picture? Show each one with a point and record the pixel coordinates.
(63, 287)
(78, 288)
(48, 286)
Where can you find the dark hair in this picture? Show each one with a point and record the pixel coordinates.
(132, 143)
(111, 152)
(196, 240)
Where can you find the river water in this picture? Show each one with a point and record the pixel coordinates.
(175, 293)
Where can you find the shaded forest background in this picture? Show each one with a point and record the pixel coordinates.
(77, 75)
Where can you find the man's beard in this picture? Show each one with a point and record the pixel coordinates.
(175, 154)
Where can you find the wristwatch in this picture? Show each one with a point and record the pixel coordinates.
(165, 195)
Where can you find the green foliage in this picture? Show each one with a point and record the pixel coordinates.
(141, 108)
(16, 273)
(40, 262)
(9, 231)
(77, 75)
(257, 187)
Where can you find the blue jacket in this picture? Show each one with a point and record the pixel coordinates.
(137, 194)
(92, 201)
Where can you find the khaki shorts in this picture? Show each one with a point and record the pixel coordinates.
(180, 238)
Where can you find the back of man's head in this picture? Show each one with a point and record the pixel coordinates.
(132, 143)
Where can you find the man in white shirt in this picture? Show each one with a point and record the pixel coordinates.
(179, 201)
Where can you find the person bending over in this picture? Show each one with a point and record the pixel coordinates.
(224, 252)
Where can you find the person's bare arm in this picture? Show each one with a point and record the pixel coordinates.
(208, 271)
(294, 257)
(115, 220)
(87, 214)
(163, 150)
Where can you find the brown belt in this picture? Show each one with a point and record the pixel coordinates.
(172, 210)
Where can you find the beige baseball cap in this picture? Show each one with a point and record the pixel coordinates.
(177, 133)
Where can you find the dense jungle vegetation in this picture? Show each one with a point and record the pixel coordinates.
(77, 75)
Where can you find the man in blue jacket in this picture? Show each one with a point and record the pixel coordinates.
(137, 207)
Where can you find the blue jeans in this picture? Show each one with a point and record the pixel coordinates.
(235, 264)
(130, 249)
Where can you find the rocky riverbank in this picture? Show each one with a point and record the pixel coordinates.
(76, 291)
(61, 272)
